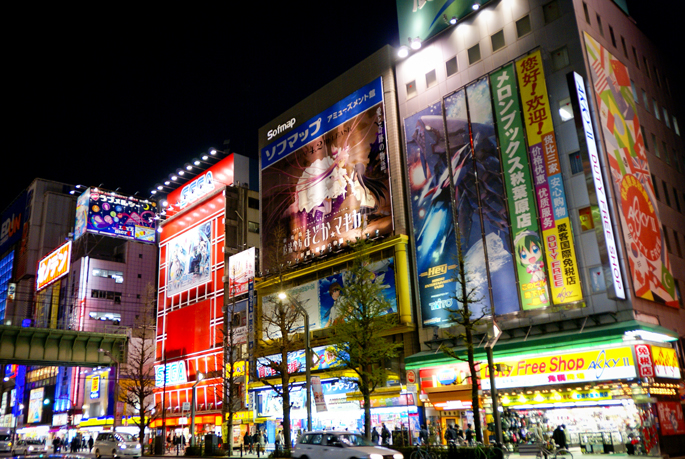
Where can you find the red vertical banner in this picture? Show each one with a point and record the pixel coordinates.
(643, 360)
(671, 418)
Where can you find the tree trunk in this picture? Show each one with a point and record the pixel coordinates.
(366, 393)
(474, 385)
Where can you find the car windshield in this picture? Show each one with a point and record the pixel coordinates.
(124, 437)
(4, 437)
(33, 442)
(354, 440)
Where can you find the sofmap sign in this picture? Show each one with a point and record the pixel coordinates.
(602, 200)
(601, 364)
(54, 266)
(281, 128)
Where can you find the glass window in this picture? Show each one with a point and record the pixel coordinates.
(253, 227)
(587, 13)
(253, 203)
(645, 99)
(656, 109)
(656, 189)
(667, 197)
(637, 61)
(644, 59)
(497, 41)
(677, 244)
(451, 66)
(585, 216)
(411, 89)
(431, 79)
(666, 238)
(675, 126)
(565, 109)
(613, 37)
(474, 54)
(655, 144)
(551, 11)
(599, 25)
(632, 86)
(560, 58)
(667, 120)
(597, 279)
(625, 48)
(665, 149)
(523, 26)
(644, 137)
(576, 162)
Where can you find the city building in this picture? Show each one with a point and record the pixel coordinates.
(209, 218)
(557, 122)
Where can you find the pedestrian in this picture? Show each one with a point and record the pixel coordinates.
(177, 444)
(247, 441)
(90, 443)
(469, 434)
(279, 441)
(262, 441)
(374, 435)
(450, 435)
(423, 435)
(385, 435)
(74, 444)
(168, 442)
(183, 443)
(55, 444)
(559, 437)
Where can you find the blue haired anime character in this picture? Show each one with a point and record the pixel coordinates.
(529, 256)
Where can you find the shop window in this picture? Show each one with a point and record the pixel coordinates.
(576, 162)
(431, 79)
(523, 26)
(451, 66)
(474, 54)
(411, 89)
(497, 41)
(587, 216)
(565, 109)
(551, 11)
(560, 58)
(597, 279)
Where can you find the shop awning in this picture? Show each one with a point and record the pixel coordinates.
(448, 393)
(559, 340)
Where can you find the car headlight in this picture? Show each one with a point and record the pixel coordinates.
(398, 456)
(122, 445)
(137, 445)
(375, 456)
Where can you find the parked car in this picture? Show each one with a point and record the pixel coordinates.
(29, 446)
(5, 441)
(340, 445)
(116, 444)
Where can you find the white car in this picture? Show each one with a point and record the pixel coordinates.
(29, 446)
(340, 445)
(116, 444)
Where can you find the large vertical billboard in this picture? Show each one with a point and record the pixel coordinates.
(110, 214)
(549, 187)
(188, 259)
(241, 270)
(649, 263)
(327, 179)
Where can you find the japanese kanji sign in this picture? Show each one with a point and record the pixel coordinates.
(549, 188)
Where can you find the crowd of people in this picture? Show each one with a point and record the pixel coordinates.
(77, 444)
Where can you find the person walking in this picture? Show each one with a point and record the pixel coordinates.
(374, 435)
(423, 435)
(559, 437)
(90, 443)
(279, 441)
(247, 442)
(469, 435)
(262, 441)
(385, 435)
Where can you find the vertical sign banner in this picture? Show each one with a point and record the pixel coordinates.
(54, 266)
(643, 359)
(530, 266)
(602, 198)
(671, 418)
(649, 262)
(241, 269)
(549, 187)
(317, 390)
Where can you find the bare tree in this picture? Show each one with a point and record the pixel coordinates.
(280, 329)
(364, 344)
(464, 316)
(137, 375)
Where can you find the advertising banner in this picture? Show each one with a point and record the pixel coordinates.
(241, 267)
(665, 362)
(532, 275)
(557, 397)
(323, 358)
(54, 266)
(601, 364)
(328, 179)
(425, 18)
(11, 223)
(217, 176)
(188, 259)
(319, 399)
(549, 187)
(110, 214)
(671, 418)
(638, 211)
(35, 405)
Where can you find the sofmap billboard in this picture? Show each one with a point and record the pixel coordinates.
(638, 211)
(111, 214)
(241, 269)
(188, 259)
(549, 187)
(324, 181)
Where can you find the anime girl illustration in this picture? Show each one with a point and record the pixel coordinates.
(529, 256)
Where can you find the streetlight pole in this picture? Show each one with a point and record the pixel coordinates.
(200, 377)
(307, 356)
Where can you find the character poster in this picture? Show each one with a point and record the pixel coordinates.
(241, 269)
(188, 259)
(326, 189)
(530, 263)
(638, 211)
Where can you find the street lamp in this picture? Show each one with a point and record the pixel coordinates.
(200, 377)
(116, 385)
(307, 355)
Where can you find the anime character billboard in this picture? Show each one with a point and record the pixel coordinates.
(637, 207)
(188, 259)
(328, 179)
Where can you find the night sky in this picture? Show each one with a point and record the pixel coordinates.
(123, 95)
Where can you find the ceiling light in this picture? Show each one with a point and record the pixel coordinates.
(403, 52)
(453, 20)
(416, 43)
(475, 6)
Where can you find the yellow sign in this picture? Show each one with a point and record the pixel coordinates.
(665, 362)
(600, 364)
(575, 396)
(239, 369)
(562, 268)
(95, 387)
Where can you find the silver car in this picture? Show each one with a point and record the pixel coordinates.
(340, 445)
(28, 447)
(116, 444)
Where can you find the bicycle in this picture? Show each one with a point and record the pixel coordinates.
(489, 452)
(422, 453)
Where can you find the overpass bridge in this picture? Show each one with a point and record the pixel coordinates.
(57, 347)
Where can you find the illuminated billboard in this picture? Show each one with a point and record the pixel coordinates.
(35, 405)
(188, 259)
(11, 223)
(219, 175)
(637, 207)
(110, 214)
(241, 269)
(329, 177)
(54, 266)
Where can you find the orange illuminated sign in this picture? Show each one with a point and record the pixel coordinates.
(53, 266)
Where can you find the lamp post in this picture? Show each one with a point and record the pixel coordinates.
(200, 377)
(116, 386)
(307, 356)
